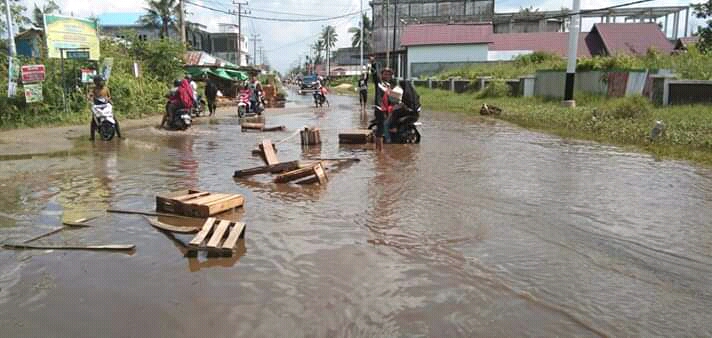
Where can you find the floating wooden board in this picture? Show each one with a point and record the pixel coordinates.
(356, 136)
(310, 136)
(270, 157)
(198, 204)
(316, 170)
(110, 247)
(218, 235)
(273, 169)
(252, 126)
(172, 228)
(275, 128)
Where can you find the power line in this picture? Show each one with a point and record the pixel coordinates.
(271, 19)
(294, 14)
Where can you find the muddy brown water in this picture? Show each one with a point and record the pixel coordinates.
(483, 229)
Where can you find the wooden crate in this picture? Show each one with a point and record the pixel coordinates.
(196, 203)
(311, 174)
(356, 136)
(310, 136)
(218, 235)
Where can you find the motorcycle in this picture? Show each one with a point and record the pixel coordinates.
(243, 105)
(408, 114)
(198, 107)
(319, 98)
(181, 119)
(103, 115)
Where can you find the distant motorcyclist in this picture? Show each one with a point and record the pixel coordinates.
(193, 87)
(256, 88)
(101, 95)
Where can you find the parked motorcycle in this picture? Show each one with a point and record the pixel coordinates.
(103, 115)
(408, 114)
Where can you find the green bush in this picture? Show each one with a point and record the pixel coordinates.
(496, 88)
(632, 107)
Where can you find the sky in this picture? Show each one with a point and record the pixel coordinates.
(285, 42)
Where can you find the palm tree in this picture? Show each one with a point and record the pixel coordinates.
(160, 14)
(367, 34)
(318, 48)
(329, 36)
(38, 13)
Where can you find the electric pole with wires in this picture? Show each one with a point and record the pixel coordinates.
(239, 29)
(254, 38)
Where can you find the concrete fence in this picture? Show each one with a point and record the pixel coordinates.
(662, 87)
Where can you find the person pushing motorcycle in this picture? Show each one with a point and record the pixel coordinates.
(383, 82)
(101, 95)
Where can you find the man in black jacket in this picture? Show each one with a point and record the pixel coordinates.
(211, 92)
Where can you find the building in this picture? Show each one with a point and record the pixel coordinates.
(222, 44)
(432, 48)
(30, 43)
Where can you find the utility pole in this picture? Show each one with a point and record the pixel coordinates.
(239, 29)
(361, 2)
(13, 52)
(573, 48)
(395, 24)
(181, 18)
(254, 38)
(388, 49)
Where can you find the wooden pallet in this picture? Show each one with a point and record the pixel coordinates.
(356, 136)
(310, 136)
(196, 203)
(312, 173)
(268, 153)
(218, 235)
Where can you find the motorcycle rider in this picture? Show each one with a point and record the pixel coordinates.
(383, 83)
(194, 88)
(101, 95)
(256, 88)
(179, 97)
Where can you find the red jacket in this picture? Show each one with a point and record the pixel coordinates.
(185, 93)
(386, 106)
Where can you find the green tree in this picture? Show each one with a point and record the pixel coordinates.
(38, 13)
(318, 47)
(704, 11)
(329, 36)
(161, 14)
(19, 20)
(367, 34)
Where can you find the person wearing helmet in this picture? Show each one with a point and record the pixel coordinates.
(193, 86)
(101, 95)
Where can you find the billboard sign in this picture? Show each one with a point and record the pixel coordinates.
(67, 33)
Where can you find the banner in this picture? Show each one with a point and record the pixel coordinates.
(33, 92)
(88, 75)
(63, 32)
(106, 68)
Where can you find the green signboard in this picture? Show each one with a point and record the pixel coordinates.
(77, 55)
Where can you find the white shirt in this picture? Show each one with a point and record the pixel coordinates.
(195, 89)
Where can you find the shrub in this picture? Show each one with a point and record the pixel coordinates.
(496, 88)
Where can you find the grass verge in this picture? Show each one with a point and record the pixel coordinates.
(625, 122)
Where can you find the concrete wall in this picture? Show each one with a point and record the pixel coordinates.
(429, 60)
(551, 83)
(680, 92)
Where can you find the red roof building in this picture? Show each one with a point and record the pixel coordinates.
(552, 42)
(627, 38)
(444, 34)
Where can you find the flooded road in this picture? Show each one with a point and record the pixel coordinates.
(483, 229)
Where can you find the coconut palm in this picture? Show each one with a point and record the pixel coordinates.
(161, 14)
(367, 34)
(318, 47)
(38, 13)
(329, 36)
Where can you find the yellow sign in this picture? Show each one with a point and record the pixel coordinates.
(71, 34)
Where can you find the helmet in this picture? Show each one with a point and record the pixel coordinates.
(176, 83)
(188, 77)
(98, 78)
(387, 70)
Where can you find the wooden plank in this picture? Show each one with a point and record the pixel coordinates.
(356, 136)
(275, 128)
(236, 231)
(109, 247)
(43, 235)
(172, 228)
(252, 126)
(167, 202)
(277, 168)
(228, 203)
(297, 174)
(320, 174)
(200, 237)
(147, 213)
(218, 234)
(191, 196)
(270, 156)
(207, 199)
